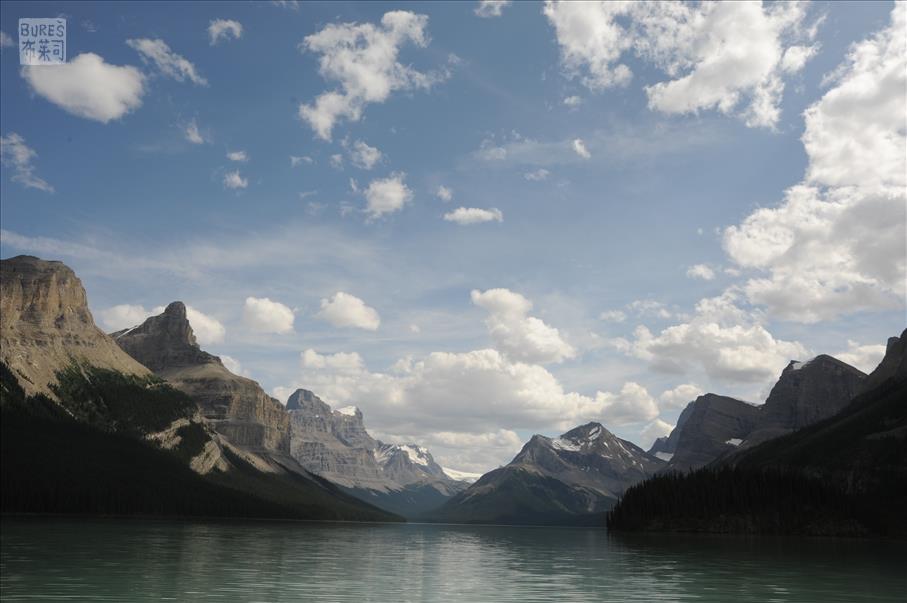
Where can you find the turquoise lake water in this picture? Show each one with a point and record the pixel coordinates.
(136, 560)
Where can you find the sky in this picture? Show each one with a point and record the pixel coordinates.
(476, 221)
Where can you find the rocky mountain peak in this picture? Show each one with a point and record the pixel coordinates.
(809, 391)
(306, 401)
(164, 342)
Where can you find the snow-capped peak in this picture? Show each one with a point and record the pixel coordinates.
(416, 454)
(349, 411)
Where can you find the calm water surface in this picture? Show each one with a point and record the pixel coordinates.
(121, 560)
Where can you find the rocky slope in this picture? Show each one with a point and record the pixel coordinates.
(45, 325)
(335, 445)
(713, 427)
(236, 407)
(572, 479)
(806, 392)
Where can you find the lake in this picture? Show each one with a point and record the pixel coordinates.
(139, 560)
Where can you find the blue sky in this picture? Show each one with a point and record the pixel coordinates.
(604, 283)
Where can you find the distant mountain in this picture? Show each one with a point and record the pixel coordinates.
(89, 429)
(713, 426)
(572, 479)
(842, 475)
(334, 444)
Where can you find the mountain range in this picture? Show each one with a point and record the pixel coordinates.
(152, 424)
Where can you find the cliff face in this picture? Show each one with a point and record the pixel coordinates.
(711, 426)
(806, 393)
(234, 406)
(45, 325)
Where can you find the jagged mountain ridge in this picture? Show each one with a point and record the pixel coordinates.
(571, 479)
(334, 444)
(712, 426)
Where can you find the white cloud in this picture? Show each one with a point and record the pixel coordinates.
(649, 307)
(537, 175)
(724, 341)
(613, 316)
(88, 87)
(336, 161)
(241, 156)
(491, 8)
(387, 195)
(514, 332)
(579, 147)
(6, 41)
(345, 310)
(266, 316)
(474, 215)
(224, 29)
(444, 194)
(207, 329)
(718, 55)
(679, 396)
(654, 430)
(18, 156)
(837, 242)
(701, 271)
(166, 61)
(192, 134)
(864, 357)
(573, 101)
(341, 361)
(362, 59)
(234, 181)
(295, 161)
(123, 316)
(363, 156)
(632, 404)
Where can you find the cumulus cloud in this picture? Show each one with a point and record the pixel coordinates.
(346, 310)
(864, 357)
(680, 396)
(296, 161)
(342, 362)
(233, 180)
(726, 56)
(88, 87)
(514, 332)
(654, 430)
(19, 157)
(224, 29)
(387, 195)
(632, 404)
(721, 339)
(491, 8)
(573, 101)
(362, 59)
(837, 244)
(233, 365)
(444, 194)
(169, 63)
(240, 156)
(649, 307)
(266, 316)
(474, 215)
(701, 271)
(207, 329)
(579, 147)
(363, 156)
